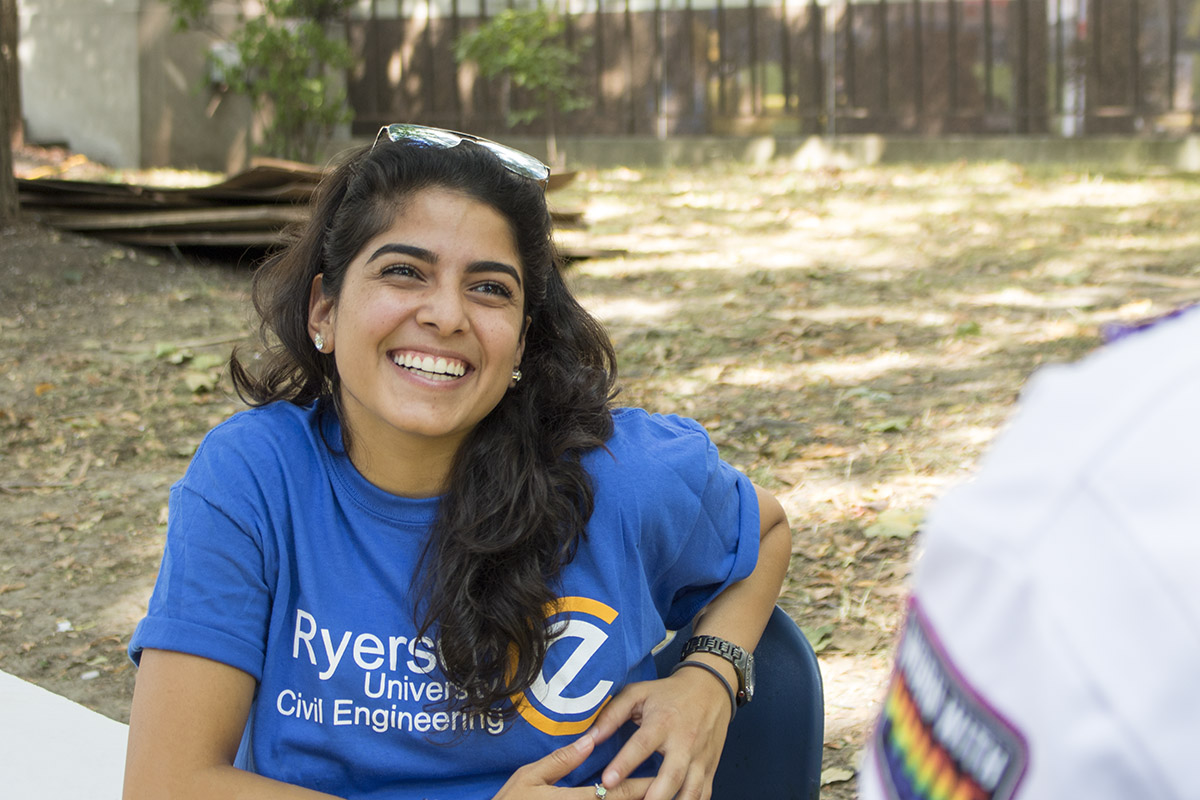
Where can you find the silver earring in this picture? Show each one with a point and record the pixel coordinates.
(516, 376)
(319, 341)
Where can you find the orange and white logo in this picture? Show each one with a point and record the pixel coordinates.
(555, 704)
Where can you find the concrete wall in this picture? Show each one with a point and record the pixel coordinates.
(79, 66)
(113, 80)
(186, 121)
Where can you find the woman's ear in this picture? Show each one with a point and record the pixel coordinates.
(321, 313)
(521, 342)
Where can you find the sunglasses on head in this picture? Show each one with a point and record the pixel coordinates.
(514, 161)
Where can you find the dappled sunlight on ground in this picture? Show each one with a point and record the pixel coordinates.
(854, 339)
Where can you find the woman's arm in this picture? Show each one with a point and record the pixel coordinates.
(685, 716)
(184, 728)
(187, 720)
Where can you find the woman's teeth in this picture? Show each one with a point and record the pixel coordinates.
(436, 367)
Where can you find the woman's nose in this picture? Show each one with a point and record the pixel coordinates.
(443, 308)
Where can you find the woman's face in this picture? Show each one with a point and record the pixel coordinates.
(427, 330)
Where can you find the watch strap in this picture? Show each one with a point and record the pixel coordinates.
(735, 655)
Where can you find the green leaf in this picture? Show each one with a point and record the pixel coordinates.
(199, 382)
(836, 775)
(527, 47)
(889, 425)
(967, 329)
(895, 524)
(164, 350)
(820, 637)
(288, 58)
(208, 361)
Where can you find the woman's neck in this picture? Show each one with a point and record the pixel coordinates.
(415, 472)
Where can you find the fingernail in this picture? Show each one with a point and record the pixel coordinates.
(583, 743)
(611, 778)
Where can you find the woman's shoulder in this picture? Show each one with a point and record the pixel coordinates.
(639, 427)
(275, 433)
(275, 421)
(648, 442)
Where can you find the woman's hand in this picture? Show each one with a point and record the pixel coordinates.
(685, 718)
(536, 781)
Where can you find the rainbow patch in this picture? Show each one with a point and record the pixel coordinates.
(937, 739)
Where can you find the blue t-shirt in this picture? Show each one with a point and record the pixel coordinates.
(284, 562)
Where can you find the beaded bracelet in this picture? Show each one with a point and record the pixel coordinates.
(716, 673)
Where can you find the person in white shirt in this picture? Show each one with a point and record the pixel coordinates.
(1052, 646)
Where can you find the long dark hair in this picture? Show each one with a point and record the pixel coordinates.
(517, 499)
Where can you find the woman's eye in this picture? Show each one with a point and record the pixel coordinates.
(494, 288)
(400, 271)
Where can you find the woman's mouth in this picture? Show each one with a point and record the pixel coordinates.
(432, 367)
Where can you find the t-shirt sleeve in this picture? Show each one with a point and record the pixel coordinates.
(211, 598)
(701, 525)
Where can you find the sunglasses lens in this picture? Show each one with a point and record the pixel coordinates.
(434, 137)
(522, 164)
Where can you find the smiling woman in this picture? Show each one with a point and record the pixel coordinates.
(433, 561)
(431, 334)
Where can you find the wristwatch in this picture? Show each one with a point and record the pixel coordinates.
(743, 662)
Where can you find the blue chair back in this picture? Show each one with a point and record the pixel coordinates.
(775, 742)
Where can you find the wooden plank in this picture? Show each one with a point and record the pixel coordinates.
(250, 209)
(229, 218)
(569, 219)
(61, 186)
(297, 169)
(559, 179)
(260, 238)
(578, 253)
(298, 192)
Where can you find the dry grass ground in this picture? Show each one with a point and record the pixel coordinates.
(853, 339)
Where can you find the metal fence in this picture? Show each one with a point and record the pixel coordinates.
(926, 67)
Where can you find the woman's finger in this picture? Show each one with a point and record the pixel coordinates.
(640, 746)
(632, 789)
(616, 713)
(691, 783)
(555, 765)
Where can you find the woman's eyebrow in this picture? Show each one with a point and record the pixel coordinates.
(495, 266)
(427, 256)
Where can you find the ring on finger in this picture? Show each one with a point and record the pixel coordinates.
(601, 792)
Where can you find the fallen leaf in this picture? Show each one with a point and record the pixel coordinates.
(889, 425)
(836, 775)
(895, 524)
(43, 388)
(819, 637)
(208, 361)
(825, 451)
(198, 382)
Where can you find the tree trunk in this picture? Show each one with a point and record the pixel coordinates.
(10, 107)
